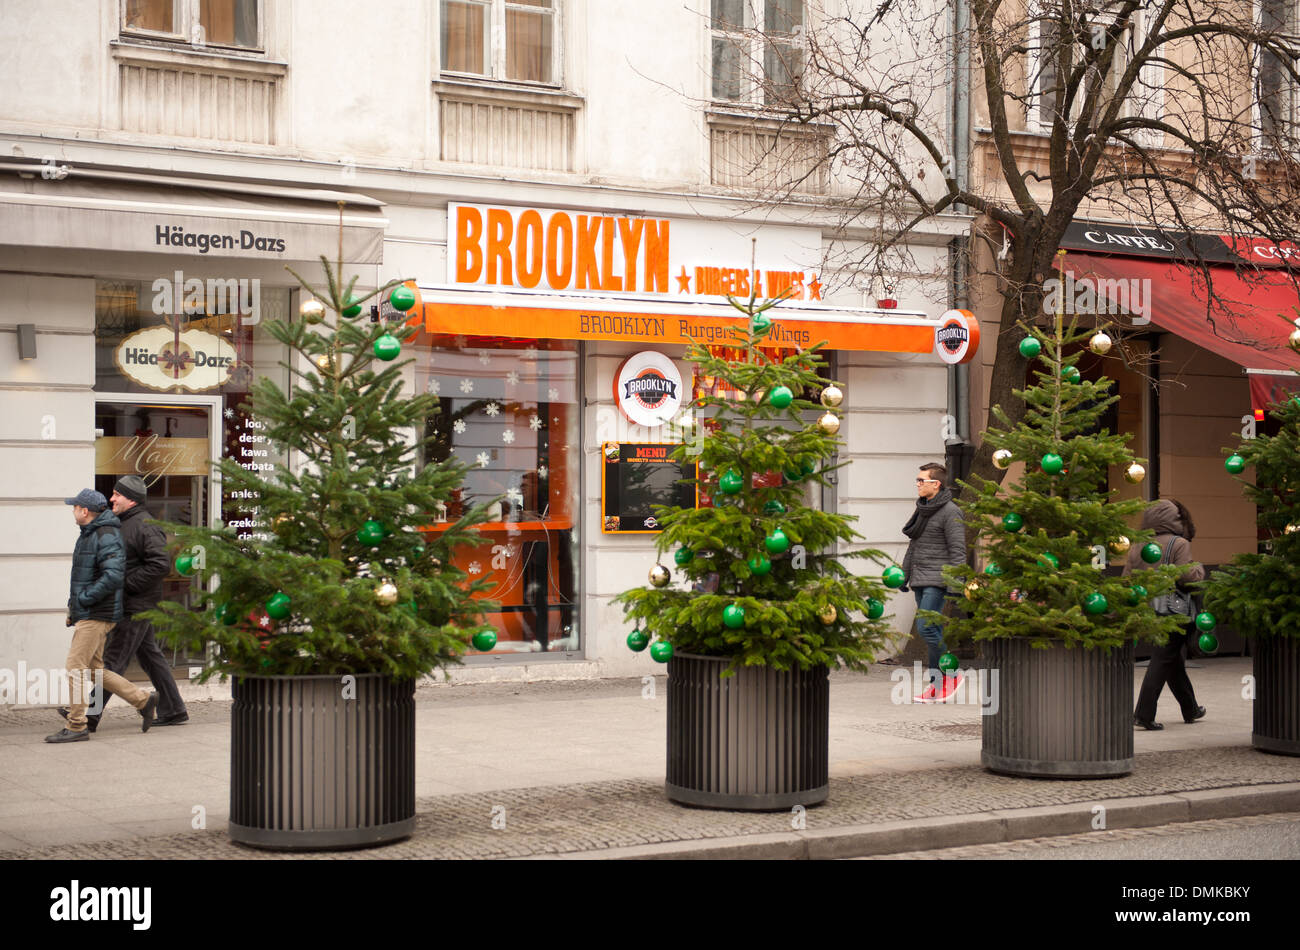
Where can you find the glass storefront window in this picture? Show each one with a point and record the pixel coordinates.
(509, 409)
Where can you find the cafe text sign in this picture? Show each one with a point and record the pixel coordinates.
(546, 249)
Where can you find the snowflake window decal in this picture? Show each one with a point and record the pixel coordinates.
(492, 409)
(458, 427)
(534, 423)
(466, 386)
(508, 436)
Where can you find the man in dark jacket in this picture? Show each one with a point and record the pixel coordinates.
(146, 567)
(936, 537)
(94, 605)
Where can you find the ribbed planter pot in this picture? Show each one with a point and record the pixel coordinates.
(1059, 713)
(312, 766)
(1277, 695)
(755, 741)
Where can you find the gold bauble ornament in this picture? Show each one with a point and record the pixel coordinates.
(1002, 458)
(1099, 344)
(1292, 528)
(832, 396)
(660, 576)
(829, 423)
(1120, 545)
(828, 614)
(312, 311)
(323, 361)
(1135, 473)
(1294, 339)
(971, 588)
(386, 593)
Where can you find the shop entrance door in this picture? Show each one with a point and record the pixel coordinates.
(169, 442)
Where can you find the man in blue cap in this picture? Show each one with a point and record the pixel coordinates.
(94, 606)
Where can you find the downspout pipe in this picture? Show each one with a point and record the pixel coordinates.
(958, 249)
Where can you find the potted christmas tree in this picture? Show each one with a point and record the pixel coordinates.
(325, 621)
(763, 608)
(1056, 631)
(1259, 594)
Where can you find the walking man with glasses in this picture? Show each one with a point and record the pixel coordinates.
(936, 537)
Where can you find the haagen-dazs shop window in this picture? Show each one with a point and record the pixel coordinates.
(508, 409)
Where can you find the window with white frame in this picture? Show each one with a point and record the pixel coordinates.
(756, 50)
(233, 24)
(500, 39)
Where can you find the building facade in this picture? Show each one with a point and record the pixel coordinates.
(569, 184)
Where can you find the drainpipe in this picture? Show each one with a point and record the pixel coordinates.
(959, 294)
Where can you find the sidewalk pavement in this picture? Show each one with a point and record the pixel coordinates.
(575, 769)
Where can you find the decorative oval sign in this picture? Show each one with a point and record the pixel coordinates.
(957, 338)
(163, 359)
(648, 388)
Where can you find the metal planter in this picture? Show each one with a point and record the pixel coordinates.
(314, 765)
(755, 741)
(1277, 695)
(1059, 713)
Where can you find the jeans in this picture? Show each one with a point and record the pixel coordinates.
(931, 598)
(136, 638)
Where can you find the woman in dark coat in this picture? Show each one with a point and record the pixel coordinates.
(1174, 532)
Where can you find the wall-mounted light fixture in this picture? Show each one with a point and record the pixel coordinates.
(27, 341)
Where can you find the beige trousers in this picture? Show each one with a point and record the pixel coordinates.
(85, 658)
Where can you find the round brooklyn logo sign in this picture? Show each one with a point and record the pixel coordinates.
(648, 388)
(957, 338)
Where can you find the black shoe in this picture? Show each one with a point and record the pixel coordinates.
(1147, 724)
(92, 722)
(67, 735)
(147, 711)
(1199, 714)
(173, 720)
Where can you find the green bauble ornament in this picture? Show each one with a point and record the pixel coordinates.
(353, 308)
(185, 565)
(683, 556)
(1048, 560)
(277, 608)
(781, 397)
(949, 662)
(760, 323)
(402, 298)
(733, 615)
(1136, 594)
(225, 613)
(1205, 621)
(1071, 374)
(993, 570)
(759, 565)
(792, 474)
(1030, 347)
(774, 508)
(388, 348)
(731, 482)
(1096, 603)
(1053, 463)
(776, 542)
(1208, 643)
(893, 576)
(661, 651)
(637, 641)
(807, 467)
(371, 533)
(875, 609)
(485, 640)
(1151, 552)
(1235, 464)
(1012, 522)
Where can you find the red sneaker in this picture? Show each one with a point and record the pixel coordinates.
(927, 695)
(950, 684)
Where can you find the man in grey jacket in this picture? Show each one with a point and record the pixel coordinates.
(936, 537)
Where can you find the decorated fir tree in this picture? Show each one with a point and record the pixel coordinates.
(343, 582)
(757, 577)
(1258, 594)
(1046, 537)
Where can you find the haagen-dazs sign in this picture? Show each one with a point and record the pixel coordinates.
(648, 388)
(161, 359)
(957, 338)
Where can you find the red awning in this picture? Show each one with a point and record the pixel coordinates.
(1249, 321)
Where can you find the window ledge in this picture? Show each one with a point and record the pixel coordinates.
(142, 54)
(490, 91)
(751, 116)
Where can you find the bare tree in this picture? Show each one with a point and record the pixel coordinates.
(1180, 113)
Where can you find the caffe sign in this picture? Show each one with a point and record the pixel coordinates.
(162, 359)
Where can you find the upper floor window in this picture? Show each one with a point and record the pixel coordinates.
(757, 50)
(230, 23)
(1275, 92)
(500, 39)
